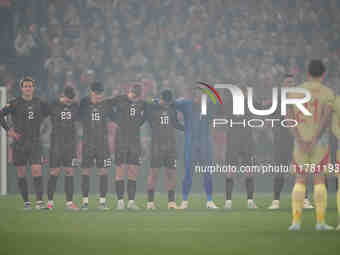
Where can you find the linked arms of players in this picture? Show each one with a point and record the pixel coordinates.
(176, 123)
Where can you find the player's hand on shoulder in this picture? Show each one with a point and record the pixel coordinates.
(13, 134)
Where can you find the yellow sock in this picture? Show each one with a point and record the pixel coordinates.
(338, 197)
(320, 199)
(298, 196)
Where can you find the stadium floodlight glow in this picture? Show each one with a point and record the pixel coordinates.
(302, 96)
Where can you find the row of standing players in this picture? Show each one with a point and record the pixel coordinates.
(93, 113)
(129, 112)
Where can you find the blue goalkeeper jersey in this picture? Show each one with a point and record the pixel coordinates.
(197, 129)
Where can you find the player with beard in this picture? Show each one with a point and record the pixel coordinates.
(27, 113)
(94, 114)
(63, 113)
(129, 116)
(162, 118)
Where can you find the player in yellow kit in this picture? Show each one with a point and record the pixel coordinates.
(336, 132)
(311, 149)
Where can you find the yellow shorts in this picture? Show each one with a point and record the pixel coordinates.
(316, 162)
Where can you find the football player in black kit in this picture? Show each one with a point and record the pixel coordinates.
(94, 115)
(64, 114)
(240, 152)
(27, 113)
(162, 118)
(283, 151)
(129, 116)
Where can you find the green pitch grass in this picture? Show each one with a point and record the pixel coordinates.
(195, 231)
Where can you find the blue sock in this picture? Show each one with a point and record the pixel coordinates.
(207, 183)
(185, 197)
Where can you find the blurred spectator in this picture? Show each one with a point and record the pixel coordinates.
(178, 41)
(27, 40)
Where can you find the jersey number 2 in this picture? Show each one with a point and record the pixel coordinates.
(31, 115)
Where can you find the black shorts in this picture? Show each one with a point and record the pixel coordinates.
(240, 149)
(99, 157)
(283, 152)
(163, 159)
(127, 157)
(63, 156)
(30, 153)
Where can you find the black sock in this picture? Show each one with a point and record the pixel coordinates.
(151, 195)
(51, 186)
(69, 188)
(120, 188)
(22, 184)
(131, 189)
(171, 195)
(38, 186)
(250, 187)
(278, 185)
(103, 183)
(306, 194)
(85, 185)
(229, 184)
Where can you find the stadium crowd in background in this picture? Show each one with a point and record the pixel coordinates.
(173, 42)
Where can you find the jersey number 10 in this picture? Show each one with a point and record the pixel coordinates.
(164, 120)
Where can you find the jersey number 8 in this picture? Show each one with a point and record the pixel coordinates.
(132, 111)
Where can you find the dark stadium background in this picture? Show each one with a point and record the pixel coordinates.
(164, 43)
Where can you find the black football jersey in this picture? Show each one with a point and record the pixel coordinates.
(26, 115)
(63, 118)
(94, 118)
(282, 136)
(129, 116)
(163, 121)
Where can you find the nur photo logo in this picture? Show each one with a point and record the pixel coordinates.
(300, 98)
